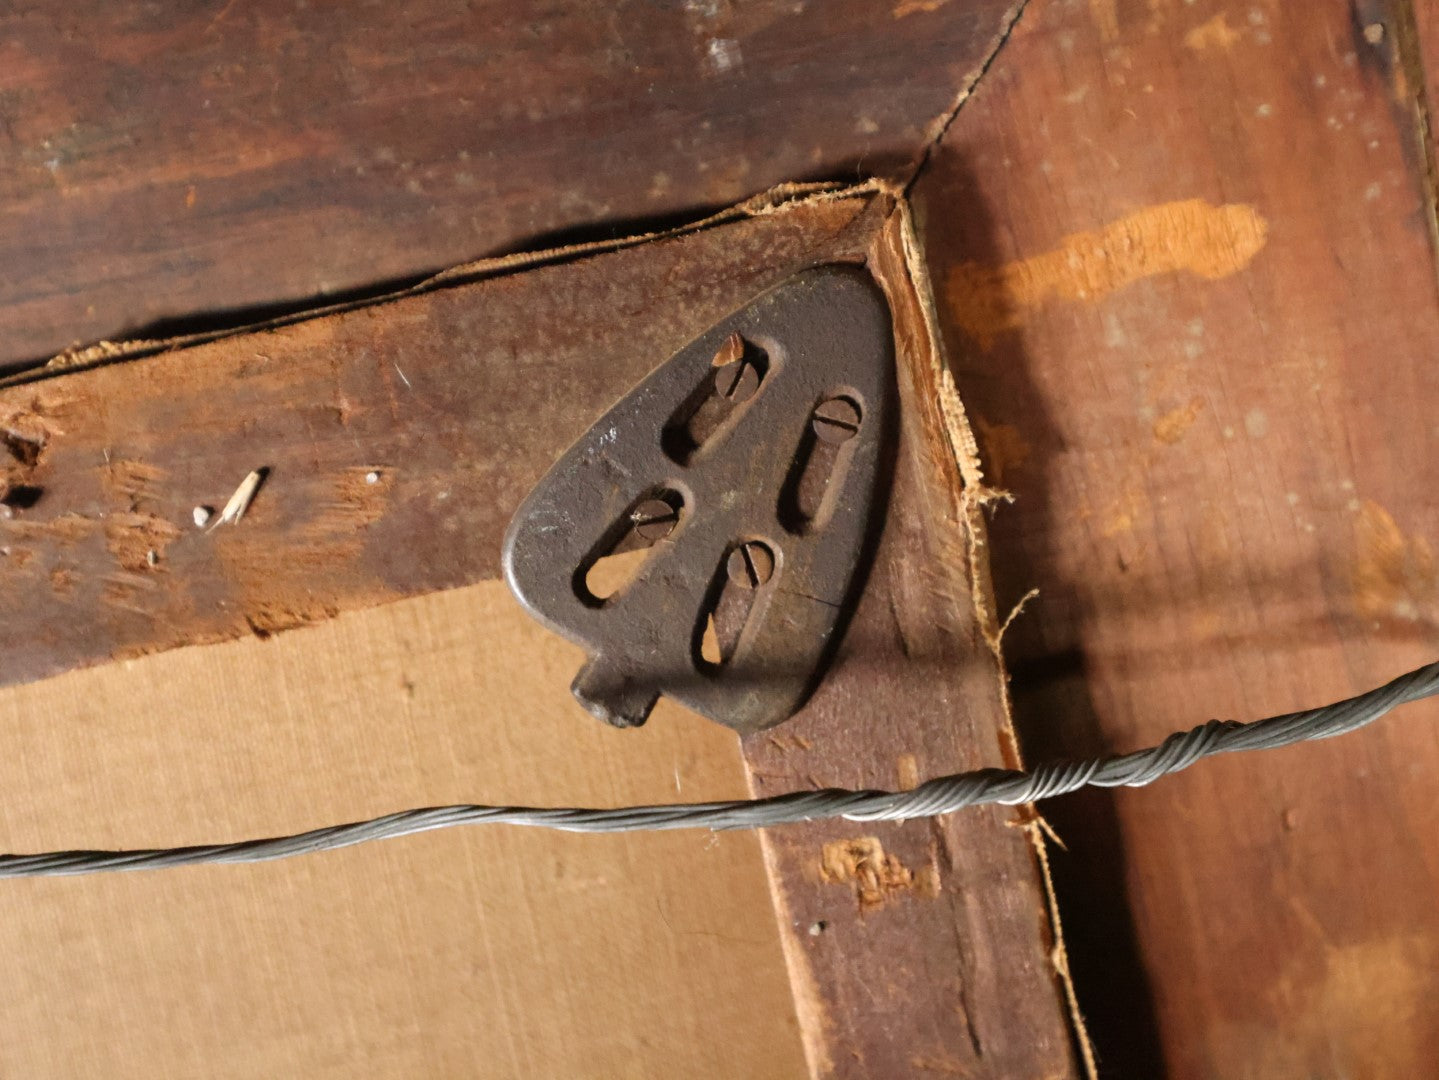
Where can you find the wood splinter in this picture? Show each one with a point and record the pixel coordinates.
(240, 501)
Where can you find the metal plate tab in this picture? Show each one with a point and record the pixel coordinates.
(733, 490)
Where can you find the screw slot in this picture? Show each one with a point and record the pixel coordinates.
(822, 459)
(654, 519)
(621, 553)
(836, 420)
(750, 565)
(736, 378)
(733, 380)
(734, 601)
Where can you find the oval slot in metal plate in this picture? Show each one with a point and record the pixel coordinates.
(770, 436)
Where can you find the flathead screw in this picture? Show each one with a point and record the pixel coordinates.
(836, 420)
(750, 565)
(736, 378)
(654, 519)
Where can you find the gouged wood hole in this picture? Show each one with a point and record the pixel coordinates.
(875, 876)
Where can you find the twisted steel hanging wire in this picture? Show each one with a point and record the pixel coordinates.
(942, 795)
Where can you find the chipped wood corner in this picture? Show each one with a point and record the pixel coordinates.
(933, 404)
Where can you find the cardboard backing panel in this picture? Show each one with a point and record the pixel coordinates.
(474, 952)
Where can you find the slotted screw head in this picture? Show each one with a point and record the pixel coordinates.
(654, 519)
(736, 379)
(836, 420)
(750, 565)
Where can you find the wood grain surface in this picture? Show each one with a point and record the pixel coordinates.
(165, 161)
(1182, 254)
(917, 947)
(397, 441)
(1183, 257)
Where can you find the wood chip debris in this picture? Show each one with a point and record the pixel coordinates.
(240, 501)
(729, 351)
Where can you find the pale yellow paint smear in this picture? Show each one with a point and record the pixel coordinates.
(1394, 575)
(1213, 34)
(1170, 427)
(916, 7)
(1353, 1013)
(1194, 236)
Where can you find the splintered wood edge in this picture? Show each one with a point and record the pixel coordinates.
(898, 262)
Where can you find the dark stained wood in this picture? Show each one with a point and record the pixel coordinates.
(871, 912)
(398, 440)
(171, 160)
(1183, 260)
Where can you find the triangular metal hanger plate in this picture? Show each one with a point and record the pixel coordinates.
(733, 491)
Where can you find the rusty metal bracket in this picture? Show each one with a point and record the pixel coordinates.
(705, 537)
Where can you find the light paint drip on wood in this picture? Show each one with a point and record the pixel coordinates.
(1192, 236)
